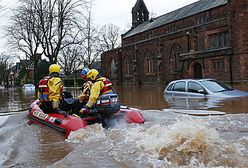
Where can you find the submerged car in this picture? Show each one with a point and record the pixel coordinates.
(201, 88)
(28, 87)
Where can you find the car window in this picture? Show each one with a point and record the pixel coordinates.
(28, 85)
(194, 87)
(215, 86)
(169, 88)
(179, 86)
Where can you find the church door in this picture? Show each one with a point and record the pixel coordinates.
(197, 71)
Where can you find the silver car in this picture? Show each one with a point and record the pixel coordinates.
(201, 88)
(28, 87)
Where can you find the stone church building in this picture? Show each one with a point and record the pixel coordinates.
(206, 39)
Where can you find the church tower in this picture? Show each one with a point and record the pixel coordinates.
(139, 13)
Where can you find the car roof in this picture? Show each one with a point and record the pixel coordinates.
(28, 84)
(205, 79)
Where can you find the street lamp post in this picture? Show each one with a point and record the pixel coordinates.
(35, 59)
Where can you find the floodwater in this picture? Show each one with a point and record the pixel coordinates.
(166, 139)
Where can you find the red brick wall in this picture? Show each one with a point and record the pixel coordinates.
(106, 59)
(160, 44)
(239, 29)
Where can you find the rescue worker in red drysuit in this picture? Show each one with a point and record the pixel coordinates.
(50, 91)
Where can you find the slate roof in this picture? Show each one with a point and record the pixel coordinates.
(178, 14)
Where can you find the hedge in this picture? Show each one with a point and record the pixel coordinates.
(69, 82)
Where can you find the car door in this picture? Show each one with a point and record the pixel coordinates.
(179, 89)
(195, 90)
(177, 95)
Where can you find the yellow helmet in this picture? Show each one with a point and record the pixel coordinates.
(92, 74)
(54, 68)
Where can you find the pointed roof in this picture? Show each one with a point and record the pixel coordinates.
(137, 5)
(189, 10)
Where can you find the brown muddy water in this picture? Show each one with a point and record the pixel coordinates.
(166, 139)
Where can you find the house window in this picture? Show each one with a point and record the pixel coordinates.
(218, 65)
(150, 35)
(219, 40)
(201, 19)
(172, 29)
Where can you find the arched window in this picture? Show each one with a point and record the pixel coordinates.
(150, 65)
(139, 15)
(176, 50)
(112, 69)
(149, 62)
(127, 69)
(142, 16)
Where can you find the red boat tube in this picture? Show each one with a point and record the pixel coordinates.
(131, 115)
(65, 123)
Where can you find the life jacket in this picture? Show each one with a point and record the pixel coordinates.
(107, 89)
(44, 89)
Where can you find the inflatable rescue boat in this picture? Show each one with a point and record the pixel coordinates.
(65, 123)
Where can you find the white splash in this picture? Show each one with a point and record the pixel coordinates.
(3, 119)
(85, 134)
(183, 143)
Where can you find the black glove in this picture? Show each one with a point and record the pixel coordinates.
(58, 110)
(84, 110)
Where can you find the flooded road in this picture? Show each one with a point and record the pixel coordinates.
(152, 97)
(167, 139)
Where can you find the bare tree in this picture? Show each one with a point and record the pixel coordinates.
(2, 8)
(59, 25)
(5, 62)
(70, 59)
(24, 33)
(89, 35)
(49, 23)
(109, 36)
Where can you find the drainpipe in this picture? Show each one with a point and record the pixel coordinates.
(231, 43)
(230, 65)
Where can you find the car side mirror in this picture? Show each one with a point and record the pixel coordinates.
(202, 91)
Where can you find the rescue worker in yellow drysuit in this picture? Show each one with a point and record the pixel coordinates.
(84, 96)
(101, 85)
(50, 90)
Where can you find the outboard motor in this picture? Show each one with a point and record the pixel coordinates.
(107, 105)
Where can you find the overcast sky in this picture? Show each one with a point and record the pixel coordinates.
(117, 12)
